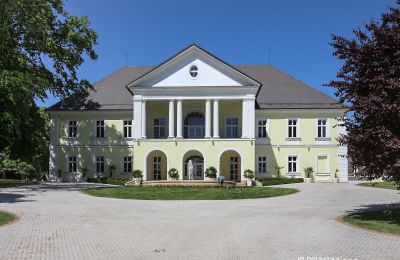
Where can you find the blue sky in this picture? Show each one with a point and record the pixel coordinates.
(239, 32)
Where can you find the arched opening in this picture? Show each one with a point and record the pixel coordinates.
(156, 163)
(230, 165)
(198, 165)
(194, 125)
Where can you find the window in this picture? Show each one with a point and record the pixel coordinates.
(127, 164)
(100, 128)
(262, 164)
(194, 71)
(292, 164)
(72, 164)
(292, 128)
(322, 128)
(72, 128)
(127, 128)
(100, 164)
(262, 128)
(157, 168)
(232, 127)
(159, 127)
(194, 126)
(234, 168)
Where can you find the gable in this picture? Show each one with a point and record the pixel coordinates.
(175, 72)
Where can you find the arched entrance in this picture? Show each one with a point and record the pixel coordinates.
(230, 165)
(198, 165)
(194, 125)
(156, 166)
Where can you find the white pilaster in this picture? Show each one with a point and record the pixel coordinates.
(216, 119)
(143, 119)
(244, 119)
(250, 107)
(179, 119)
(343, 159)
(137, 117)
(208, 119)
(171, 131)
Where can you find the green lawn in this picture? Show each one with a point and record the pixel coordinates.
(383, 185)
(188, 193)
(383, 221)
(4, 183)
(5, 218)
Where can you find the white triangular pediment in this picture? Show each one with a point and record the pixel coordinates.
(175, 72)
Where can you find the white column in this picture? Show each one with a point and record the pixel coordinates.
(251, 121)
(244, 119)
(208, 119)
(216, 119)
(143, 119)
(171, 131)
(137, 117)
(179, 119)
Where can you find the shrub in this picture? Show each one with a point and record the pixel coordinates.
(97, 179)
(117, 181)
(248, 174)
(137, 174)
(277, 181)
(173, 173)
(211, 173)
(278, 170)
(308, 171)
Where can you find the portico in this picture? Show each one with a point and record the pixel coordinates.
(241, 124)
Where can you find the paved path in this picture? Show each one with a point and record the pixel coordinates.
(59, 222)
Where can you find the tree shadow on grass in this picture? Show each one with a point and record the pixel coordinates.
(389, 213)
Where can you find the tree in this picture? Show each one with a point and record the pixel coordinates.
(41, 48)
(369, 82)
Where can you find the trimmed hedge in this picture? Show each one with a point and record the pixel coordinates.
(277, 181)
(105, 180)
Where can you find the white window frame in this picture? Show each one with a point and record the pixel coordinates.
(326, 126)
(95, 128)
(95, 164)
(297, 128)
(123, 163)
(266, 126)
(258, 162)
(297, 172)
(128, 127)
(159, 127)
(76, 126)
(226, 126)
(76, 162)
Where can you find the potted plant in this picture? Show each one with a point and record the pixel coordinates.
(336, 179)
(211, 173)
(137, 175)
(59, 173)
(173, 174)
(278, 170)
(111, 169)
(308, 171)
(249, 175)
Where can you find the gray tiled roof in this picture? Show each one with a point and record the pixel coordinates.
(278, 90)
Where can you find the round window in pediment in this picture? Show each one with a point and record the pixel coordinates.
(194, 71)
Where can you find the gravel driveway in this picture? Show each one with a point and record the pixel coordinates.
(59, 222)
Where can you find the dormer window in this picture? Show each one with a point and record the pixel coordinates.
(194, 71)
